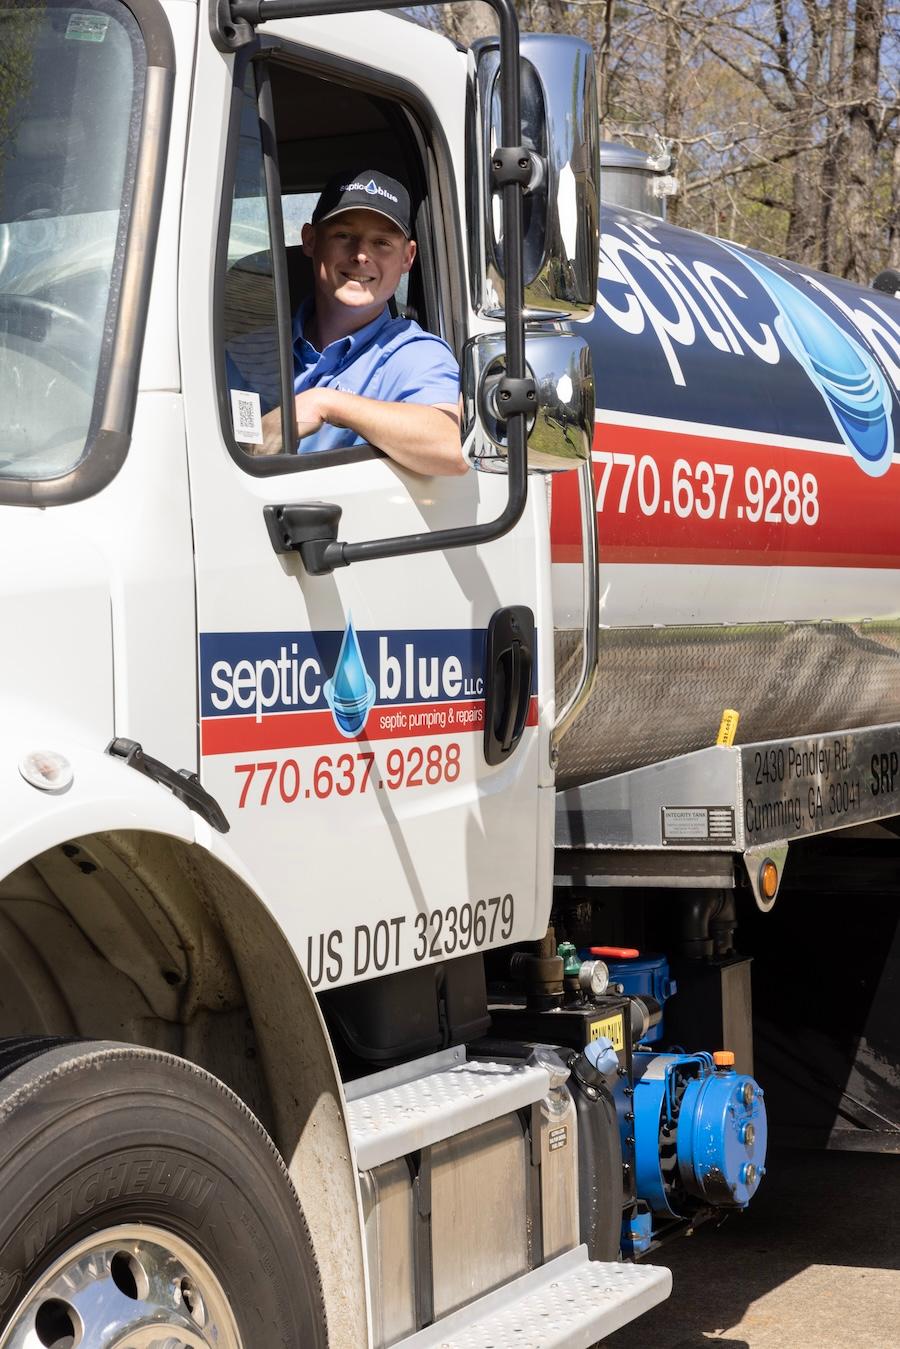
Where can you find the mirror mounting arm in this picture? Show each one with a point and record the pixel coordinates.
(512, 164)
(514, 396)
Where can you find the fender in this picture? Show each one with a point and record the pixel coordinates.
(312, 1133)
(104, 795)
(172, 851)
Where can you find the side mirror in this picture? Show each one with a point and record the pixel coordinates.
(561, 206)
(561, 432)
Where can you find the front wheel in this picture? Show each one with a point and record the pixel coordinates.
(142, 1204)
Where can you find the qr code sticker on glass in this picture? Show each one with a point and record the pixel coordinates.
(246, 417)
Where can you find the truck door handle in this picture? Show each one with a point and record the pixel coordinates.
(511, 660)
(508, 675)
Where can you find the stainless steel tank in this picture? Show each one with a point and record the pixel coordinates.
(748, 501)
(634, 178)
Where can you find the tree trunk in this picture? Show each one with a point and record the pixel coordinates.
(893, 220)
(802, 243)
(673, 93)
(466, 22)
(834, 123)
(855, 251)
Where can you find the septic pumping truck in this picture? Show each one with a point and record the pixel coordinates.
(377, 904)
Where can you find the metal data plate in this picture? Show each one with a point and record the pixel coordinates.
(741, 798)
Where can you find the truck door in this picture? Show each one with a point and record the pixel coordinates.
(342, 716)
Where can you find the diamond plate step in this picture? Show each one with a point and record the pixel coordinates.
(389, 1118)
(570, 1303)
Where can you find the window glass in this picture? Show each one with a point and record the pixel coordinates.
(297, 209)
(71, 84)
(251, 328)
(305, 111)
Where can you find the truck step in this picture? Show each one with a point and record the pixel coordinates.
(399, 1111)
(570, 1303)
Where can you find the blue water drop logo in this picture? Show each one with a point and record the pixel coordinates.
(850, 381)
(350, 693)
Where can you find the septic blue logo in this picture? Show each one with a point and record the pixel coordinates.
(852, 384)
(350, 693)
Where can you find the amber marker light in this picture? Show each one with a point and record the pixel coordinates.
(768, 879)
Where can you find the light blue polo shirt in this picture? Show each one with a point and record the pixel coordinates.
(391, 359)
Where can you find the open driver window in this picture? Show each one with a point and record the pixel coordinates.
(312, 127)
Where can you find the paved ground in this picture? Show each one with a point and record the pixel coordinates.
(813, 1264)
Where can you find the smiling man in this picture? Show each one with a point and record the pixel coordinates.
(360, 375)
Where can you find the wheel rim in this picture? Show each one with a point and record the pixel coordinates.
(134, 1287)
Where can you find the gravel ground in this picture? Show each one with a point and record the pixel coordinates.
(813, 1264)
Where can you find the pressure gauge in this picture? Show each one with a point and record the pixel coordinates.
(593, 978)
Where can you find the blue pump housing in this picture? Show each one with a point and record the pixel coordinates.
(699, 1133)
(645, 976)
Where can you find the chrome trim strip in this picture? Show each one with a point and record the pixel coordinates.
(590, 651)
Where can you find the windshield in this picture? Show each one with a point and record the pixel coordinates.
(71, 82)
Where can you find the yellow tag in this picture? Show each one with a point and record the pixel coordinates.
(728, 727)
(613, 1028)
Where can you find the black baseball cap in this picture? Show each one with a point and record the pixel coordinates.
(367, 190)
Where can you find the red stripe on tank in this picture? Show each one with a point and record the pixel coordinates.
(688, 499)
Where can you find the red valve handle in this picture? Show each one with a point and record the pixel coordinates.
(615, 952)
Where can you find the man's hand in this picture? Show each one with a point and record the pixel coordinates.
(313, 408)
(271, 429)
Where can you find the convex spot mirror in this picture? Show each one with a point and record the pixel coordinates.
(561, 204)
(560, 433)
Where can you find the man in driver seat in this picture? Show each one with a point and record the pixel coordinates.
(360, 375)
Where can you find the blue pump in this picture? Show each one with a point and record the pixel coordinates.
(644, 976)
(699, 1133)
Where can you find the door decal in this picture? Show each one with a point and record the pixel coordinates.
(351, 693)
(279, 690)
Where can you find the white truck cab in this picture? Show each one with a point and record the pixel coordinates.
(374, 972)
(279, 731)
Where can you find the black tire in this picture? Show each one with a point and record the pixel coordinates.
(97, 1136)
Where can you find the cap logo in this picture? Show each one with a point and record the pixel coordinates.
(372, 188)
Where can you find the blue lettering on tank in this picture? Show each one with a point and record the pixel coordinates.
(853, 386)
(697, 330)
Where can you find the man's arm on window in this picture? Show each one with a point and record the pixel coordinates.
(419, 436)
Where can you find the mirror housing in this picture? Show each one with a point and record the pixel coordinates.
(562, 202)
(561, 432)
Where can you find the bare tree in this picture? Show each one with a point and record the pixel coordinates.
(853, 245)
(893, 215)
(784, 114)
(465, 22)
